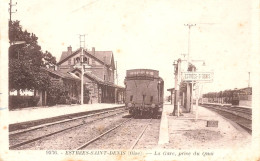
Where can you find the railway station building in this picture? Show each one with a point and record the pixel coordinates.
(70, 82)
(99, 76)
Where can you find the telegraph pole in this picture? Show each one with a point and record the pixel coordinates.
(82, 41)
(189, 88)
(10, 9)
(84, 66)
(192, 86)
(177, 87)
(82, 44)
(116, 74)
(10, 18)
(189, 25)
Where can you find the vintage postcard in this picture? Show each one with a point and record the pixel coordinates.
(129, 80)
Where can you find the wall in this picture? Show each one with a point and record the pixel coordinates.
(109, 74)
(245, 103)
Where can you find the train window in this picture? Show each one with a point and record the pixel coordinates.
(151, 100)
(131, 98)
(143, 97)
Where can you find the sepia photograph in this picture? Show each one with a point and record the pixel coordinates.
(129, 80)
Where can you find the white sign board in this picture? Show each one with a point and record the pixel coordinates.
(197, 76)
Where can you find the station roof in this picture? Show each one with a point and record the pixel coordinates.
(171, 89)
(62, 75)
(105, 57)
(98, 80)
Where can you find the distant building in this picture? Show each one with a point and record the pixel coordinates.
(99, 78)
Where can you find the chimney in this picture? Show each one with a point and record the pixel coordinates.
(93, 50)
(69, 50)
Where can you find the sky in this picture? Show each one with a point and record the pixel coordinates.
(150, 34)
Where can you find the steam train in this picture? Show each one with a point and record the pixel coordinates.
(144, 92)
(234, 97)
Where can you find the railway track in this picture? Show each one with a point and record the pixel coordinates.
(37, 127)
(140, 136)
(83, 146)
(62, 125)
(243, 110)
(98, 137)
(241, 116)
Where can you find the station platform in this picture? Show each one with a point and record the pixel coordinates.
(219, 104)
(38, 113)
(185, 132)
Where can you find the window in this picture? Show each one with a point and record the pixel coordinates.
(131, 98)
(86, 60)
(151, 100)
(108, 76)
(78, 60)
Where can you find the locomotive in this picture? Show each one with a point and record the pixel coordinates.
(144, 92)
(233, 97)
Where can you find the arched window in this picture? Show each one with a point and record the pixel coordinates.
(86, 60)
(78, 60)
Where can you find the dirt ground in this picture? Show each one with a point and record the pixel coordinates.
(121, 138)
(184, 133)
(187, 133)
(70, 139)
(125, 136)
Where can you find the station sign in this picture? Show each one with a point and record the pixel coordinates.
(142, 72)
(139, 78)
(197, 76)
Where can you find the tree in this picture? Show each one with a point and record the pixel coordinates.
(48, 59)
(55, 91)
(27, 60)
(191, 66)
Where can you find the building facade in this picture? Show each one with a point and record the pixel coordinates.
(99, 71)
